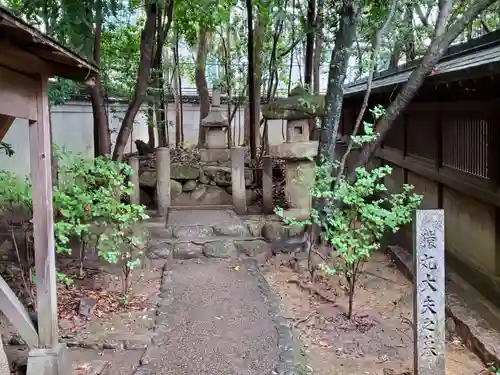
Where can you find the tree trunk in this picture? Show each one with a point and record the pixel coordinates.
(162, 29)
(309, 58)
(147, 42)
(344, 37)
(318, 50)
(201, 81)
(256, 76)
(102, 142)
(443, 37)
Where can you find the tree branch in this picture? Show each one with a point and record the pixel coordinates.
(438, 47)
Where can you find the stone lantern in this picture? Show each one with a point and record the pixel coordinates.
(297, 150)
(216, 127)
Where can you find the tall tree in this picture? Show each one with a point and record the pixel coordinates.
(147, 42)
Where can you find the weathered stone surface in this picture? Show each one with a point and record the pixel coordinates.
(295, 107)
(222, 175)
(187, 250)
(184, 172)
(189, 185)
(216, 195)
(86, 306)
(220, 249)
(215, 154)
(175, 188)
(198, 192)
(274, 231)
(204, 179)
(429, 293)
(231, 230)
(147, 178)
(297, 150)
(253, 248)
(160, 251)
(192, 231)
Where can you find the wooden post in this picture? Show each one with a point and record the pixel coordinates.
(238, 179)
(162, 180)
(267, 184)
(429, 293)
(43, 220)
(135, 198)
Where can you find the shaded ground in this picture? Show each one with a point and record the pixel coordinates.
(377, 341)
(218, 322)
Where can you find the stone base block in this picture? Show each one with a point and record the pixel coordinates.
(215, 154)
(53, 361)
(294, 150)
(301, 214)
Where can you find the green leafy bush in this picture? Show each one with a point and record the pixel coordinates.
(356, 215)
(90, 204)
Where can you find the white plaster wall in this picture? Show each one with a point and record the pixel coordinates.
(72, 127)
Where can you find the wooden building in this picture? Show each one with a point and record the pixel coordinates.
(447, 144)
(27, 61)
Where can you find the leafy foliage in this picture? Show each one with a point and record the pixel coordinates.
(89, 205)
(356, 215)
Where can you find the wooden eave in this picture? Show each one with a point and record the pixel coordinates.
(28, 51)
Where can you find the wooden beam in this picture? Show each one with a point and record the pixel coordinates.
(14, 58)
(17, 95)
(17, 315)
(45, 260)
(5, 124)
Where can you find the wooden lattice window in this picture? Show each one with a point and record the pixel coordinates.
(465, 144)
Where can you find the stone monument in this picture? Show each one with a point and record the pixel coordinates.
(297, 151)
(216, 127)
(429, 293)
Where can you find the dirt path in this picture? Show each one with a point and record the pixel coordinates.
(216, 314)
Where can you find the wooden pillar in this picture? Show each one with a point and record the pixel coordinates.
(43, 220)
(135, 198)
(162, 180)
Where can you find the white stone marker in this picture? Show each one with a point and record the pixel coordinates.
(429, 293)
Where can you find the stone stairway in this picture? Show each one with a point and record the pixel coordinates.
(192, 234)
(216, 314)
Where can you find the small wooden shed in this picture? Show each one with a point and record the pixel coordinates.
(28, 59)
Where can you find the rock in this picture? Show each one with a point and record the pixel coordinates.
(184, 172)
(217, 196)
(187, 250)
(274, 231)
(388, 371)
(198, 192)
(257, 249)
(204, 179)
(189, 185)
(161, 250)
(253, 248)
(231, 230)
(229, 190)
(175, 188)
(222, 175)
(143, 148)
(86, 306)
(255, 227)
(192, 231)
(147, 178)
(220, 249)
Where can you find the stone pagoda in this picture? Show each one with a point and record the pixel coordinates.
(216, 127)
(297, 150)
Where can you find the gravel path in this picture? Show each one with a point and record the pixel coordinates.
(217, 321)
